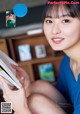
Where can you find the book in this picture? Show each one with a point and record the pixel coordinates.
(7, 71)
(46, 72)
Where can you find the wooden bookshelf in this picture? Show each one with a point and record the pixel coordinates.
(3, 45)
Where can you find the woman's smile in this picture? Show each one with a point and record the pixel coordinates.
(57, 40)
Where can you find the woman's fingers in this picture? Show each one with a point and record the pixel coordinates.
(19, 71)
(17, 68)
(14, 66)
(4, 85)
(5, 98)
(5, 88)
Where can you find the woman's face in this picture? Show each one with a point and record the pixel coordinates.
(63, 32)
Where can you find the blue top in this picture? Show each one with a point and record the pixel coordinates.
(68, 86)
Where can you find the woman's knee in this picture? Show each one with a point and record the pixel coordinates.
(40, 104)
(39, 86)
(39, 83)
(34, 102)
(35, 98)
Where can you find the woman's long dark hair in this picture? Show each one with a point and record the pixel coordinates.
(73, 8)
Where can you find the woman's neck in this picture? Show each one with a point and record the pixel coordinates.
(74, 53)
(75, 69)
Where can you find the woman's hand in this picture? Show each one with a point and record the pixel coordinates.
(17, 98)
(22, 77)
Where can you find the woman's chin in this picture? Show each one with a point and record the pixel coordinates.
(57, 49)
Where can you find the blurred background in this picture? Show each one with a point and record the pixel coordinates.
(8, 4)
(33, 20)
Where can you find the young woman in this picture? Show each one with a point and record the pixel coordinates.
(62, 29)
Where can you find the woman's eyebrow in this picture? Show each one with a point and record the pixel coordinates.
(65, 15)
(48, 17)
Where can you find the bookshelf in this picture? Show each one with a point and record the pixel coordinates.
(3, 45)
(31, 66)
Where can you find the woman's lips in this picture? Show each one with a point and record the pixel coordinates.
(57, 40)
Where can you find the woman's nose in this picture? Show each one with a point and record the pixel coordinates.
(56, 29)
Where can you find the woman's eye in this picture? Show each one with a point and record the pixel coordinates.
(48, 21)
(66, 21)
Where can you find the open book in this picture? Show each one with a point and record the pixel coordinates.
(7, 71)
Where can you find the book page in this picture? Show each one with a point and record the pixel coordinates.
(10, 81)
(7, 60)
(5, 63)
